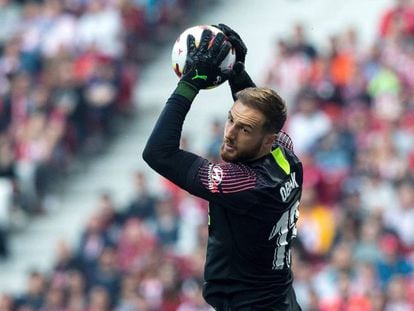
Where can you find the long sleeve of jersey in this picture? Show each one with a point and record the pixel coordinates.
(162, 152)
(225, 183)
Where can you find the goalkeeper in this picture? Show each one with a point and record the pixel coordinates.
(253, 195)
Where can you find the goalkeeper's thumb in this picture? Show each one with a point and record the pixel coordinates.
(232, 73)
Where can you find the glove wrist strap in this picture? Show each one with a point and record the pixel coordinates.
(186, 90)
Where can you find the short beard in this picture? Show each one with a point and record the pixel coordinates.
(244, 156)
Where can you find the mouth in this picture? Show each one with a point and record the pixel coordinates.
(228, 147)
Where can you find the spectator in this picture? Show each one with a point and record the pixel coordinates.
(316, 226)
(35, 295)
(106, 274)
(6, 302)
(192, 216)
(98, 299)
(130, 299)
(300, 43)
(135, 245)
(100, 93)
(287, 72)
(10, 17)
(107, 37)
(342, 63)
(110, 217)
(401, 218)
(92, 242)
(59, 33)
(400, 16)
(391, 263)
(193, 298)
(65, 262)
(303, 284)
(377, 195)
(76, 290)
(54, 300)
(166, 222)
(397, 298)
(327, 281)
(366, 249)
(142, 204)
(307, 116)
(346, 299)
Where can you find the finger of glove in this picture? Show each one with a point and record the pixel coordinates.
(235, 41)
(205, 40)
(240, 53)
(227, 30)
(217, 44)
(226, 74)
(224, 50)
(238, 45)
(238, 67)
(191, 46)
(231, 35)
(189, 64)
(233, 72)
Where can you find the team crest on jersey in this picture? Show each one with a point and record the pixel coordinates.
(288, 186)
(215, 176)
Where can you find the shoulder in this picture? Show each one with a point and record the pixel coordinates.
(284, 161)
(282, 170)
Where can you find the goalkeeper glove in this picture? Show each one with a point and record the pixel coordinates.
(201, 69)
(238, 78)
(235, 40)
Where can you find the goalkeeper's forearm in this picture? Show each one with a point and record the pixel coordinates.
(162, 152)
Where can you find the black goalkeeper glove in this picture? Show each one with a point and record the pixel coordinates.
(235, 40)
(201, 69)
(238, 78)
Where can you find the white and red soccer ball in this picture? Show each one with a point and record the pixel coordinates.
(179, 51)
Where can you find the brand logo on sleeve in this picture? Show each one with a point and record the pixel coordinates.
(288, 186)
(215, 176)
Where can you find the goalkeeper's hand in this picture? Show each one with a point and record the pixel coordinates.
(201, 69)
(235, 40)
(238, 78)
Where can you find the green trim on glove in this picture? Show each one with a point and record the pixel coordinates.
(202, 63)
(186, 90)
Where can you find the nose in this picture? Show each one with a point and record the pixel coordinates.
(230, 132)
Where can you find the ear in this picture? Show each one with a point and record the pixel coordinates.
(268, 140)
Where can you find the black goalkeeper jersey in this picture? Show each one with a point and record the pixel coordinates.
(252, 213)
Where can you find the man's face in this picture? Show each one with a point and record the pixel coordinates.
(244, 138)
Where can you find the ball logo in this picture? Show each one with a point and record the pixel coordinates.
(217, 81)
(215, 177)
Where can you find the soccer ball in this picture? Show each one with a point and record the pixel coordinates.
(179, 51)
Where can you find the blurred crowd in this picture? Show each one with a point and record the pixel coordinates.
(147, 255)
(352, 124)
(68, 72)
(351, 118)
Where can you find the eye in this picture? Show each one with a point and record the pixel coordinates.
(245, 130)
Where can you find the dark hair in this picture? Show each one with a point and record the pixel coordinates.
(269, 103)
